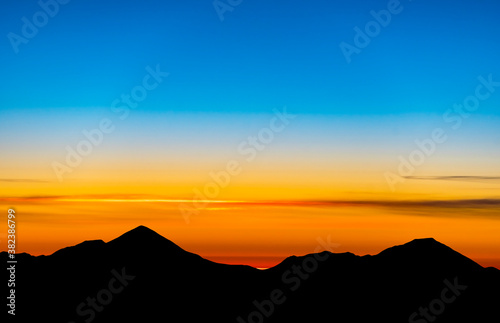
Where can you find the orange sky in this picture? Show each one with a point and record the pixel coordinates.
(178, 185)
(261, 234)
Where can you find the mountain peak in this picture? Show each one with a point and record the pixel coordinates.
(142, 236)
(426, 241)
(426, 244)
(143, 230)
(140, 233)
(420, 245)
(430, 249)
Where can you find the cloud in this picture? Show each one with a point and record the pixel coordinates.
(491, 203)
(461, 178)
(422, 203)
(22, 180)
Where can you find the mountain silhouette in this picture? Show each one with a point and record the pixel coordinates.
(143, 277)
(144, 239)
(141, 233)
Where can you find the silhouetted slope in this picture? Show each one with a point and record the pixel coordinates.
(390, 286)
(145, 239)
(159, 281)
(425, 251)
(84, 249)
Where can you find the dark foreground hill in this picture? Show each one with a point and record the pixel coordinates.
(143, 277)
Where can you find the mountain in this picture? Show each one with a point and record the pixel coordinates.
(143, 277)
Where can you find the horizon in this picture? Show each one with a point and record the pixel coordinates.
(247, 130)
(328, 246)
(254, 252)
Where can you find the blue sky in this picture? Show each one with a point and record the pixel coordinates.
(263, 55)
(226, 77)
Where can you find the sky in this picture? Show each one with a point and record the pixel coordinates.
(247, 130)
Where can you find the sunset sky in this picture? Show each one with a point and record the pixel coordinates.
(248, 134)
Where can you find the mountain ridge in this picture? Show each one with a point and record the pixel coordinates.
(142, 234)
(163, 281)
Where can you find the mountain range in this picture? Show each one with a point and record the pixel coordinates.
(143, 277)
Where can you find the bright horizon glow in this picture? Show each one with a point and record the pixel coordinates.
(241, 232)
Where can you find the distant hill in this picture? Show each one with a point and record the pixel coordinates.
(143, 277)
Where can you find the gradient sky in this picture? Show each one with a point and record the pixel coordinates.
(353, 122)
